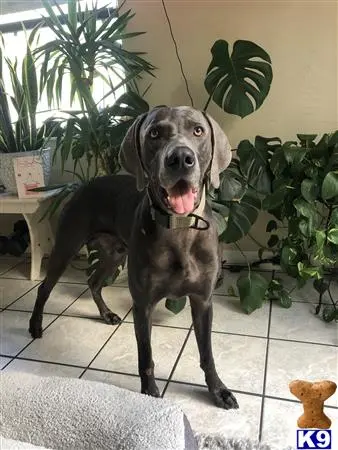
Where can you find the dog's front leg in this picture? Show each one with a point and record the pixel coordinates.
(142, 323)
(201, 310)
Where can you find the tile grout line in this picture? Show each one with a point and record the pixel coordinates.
(11, 268)
(22, 295)
(79, 316)
(44, 329)
(265, 372)
(105, 343)
(176, 362)
(116, 372)
(8, 363)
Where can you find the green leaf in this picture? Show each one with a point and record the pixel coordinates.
(221, 222)
(72, 16)
(274, 200)
(232, 185)
(289, 257)
(278, 162)
(219, 207)
(305, 226)
(321, 285)
(330, 185)
(320, 238)
(242, 215)
(227, 79)
(333, 161)
(254, 166)
(67, 142)
(267, 145)
(334, 217)
(175, 305)
(332, 235)
(275, 285)
(307, 210)
(306, 139)
(273, 240)
(311, 172)
(309, 189)
(333, 139)
(272, 225)
(308, 272)
(252, 290)
(293, 153)
(285, 299)
(329, 313)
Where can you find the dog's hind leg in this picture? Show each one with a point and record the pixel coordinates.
(64, 250)
(108, 253)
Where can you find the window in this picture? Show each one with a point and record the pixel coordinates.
(15, 48)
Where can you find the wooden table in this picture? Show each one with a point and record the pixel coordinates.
(41, 235)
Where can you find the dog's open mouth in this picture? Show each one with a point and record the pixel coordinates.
(181, 197)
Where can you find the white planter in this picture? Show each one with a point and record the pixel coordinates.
(7, 175)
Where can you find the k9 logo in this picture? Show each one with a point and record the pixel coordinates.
(313, 439)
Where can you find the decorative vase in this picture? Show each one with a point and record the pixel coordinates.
(7, 175)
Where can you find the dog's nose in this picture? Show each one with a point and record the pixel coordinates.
(180, 158)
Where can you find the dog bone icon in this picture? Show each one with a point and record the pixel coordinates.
(313, 396)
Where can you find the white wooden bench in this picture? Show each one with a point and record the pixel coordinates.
(41, 235)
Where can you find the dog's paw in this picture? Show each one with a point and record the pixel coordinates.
(35, 329)
(111, 318)
(223, 398)
(151, 390)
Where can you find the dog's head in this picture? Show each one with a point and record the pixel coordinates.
(173, 149)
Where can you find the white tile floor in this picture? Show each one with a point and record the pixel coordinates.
(257, 355)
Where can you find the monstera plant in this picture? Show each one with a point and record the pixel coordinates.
(240, 82)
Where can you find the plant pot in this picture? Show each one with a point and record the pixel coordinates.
(7, 175)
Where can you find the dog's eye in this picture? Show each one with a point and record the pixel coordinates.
(198, 131)
(154, 133)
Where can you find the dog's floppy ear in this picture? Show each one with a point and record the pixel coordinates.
(129, 155)
(222, 151)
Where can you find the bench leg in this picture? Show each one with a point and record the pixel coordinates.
(41, 238)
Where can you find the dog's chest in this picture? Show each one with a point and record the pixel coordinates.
(183, 266)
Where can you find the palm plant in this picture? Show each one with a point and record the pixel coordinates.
(85, 50)
(22, 135)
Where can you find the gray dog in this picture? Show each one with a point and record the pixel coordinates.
(160, 218)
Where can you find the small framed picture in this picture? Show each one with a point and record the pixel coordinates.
(29, 175)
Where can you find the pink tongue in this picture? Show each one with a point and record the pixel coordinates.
(182, 203)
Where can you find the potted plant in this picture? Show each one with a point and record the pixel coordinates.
(21, 137)
(297, 183)
(87, 51)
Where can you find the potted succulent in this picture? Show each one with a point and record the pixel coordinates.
(20, 137)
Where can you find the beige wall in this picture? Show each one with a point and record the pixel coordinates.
(301, 38)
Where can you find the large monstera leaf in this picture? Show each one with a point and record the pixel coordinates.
(242, 215)
(238, 83)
